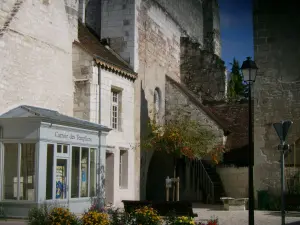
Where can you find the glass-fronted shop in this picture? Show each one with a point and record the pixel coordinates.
(48, 157)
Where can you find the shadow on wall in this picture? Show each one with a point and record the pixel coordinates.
(144, 131)
(160, 167)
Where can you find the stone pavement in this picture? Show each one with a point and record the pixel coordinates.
(241, 217)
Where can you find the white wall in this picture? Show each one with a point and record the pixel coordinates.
(35, 54)
(86, 106)
(123, 138)
(235, 181)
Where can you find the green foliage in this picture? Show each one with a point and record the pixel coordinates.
(183, 220)
(2, 213)
(293, 184)
(183, 136)
(38, 215)
(62, 216)
(146, 216)
(236, 88)
(118, 217)
(50, 215)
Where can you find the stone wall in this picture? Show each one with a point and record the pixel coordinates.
(118, 24)
(277, 53)
(202, 71)
(36, 65)
(158, 55)
(235, 181)
(82, 66)
(187, 14)
(178, 101)
(211, 31)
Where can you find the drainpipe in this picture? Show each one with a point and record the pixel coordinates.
(101, 155)
(99, 96)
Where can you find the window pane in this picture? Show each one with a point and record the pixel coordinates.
(93, 173)
(84, 172)
(65, 149)
(49, 177)
(10, 171)
(61, 178)
(58, 148)
(27, 172)
(75, 172)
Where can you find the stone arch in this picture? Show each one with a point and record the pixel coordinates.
(160, 166)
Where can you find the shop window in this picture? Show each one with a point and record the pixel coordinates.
(27, 172)
(75, 172)
(123, 169)
(10, 171)
(93, 172)
(81, 167)
(49, 176)
(84, 172)
(19, 171)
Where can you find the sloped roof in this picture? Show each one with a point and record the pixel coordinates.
(219, 121)
(48, 114)
(105, 56)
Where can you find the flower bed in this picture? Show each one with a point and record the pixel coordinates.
(144, 215)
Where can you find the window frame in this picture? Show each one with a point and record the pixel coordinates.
(2, 172)
(118, 105)
(79, 168)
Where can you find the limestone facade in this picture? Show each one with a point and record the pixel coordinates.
(94, 88)
(36, 68)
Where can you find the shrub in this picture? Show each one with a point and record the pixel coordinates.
(118, 217)
(38, 215)
(170, 218)
(146, 216)
(183, 220)
(95, 218)
(2, 213)
(62, 216)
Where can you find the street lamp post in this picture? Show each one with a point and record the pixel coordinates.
(249, 71)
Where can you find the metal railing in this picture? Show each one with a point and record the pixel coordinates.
(207, 184)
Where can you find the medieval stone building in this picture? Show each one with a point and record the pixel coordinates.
(276, 89)
(161, 39)
(80, 58)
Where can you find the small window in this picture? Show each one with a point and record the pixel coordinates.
(58, 148)
(156, 104)
(65, 149)
(115, 109)
(62, 149)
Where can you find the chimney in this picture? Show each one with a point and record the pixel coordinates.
(81, 11)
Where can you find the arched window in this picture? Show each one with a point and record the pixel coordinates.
(156, 104)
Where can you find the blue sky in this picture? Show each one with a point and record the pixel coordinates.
(236, 30)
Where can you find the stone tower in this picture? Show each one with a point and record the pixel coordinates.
(277, 53)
